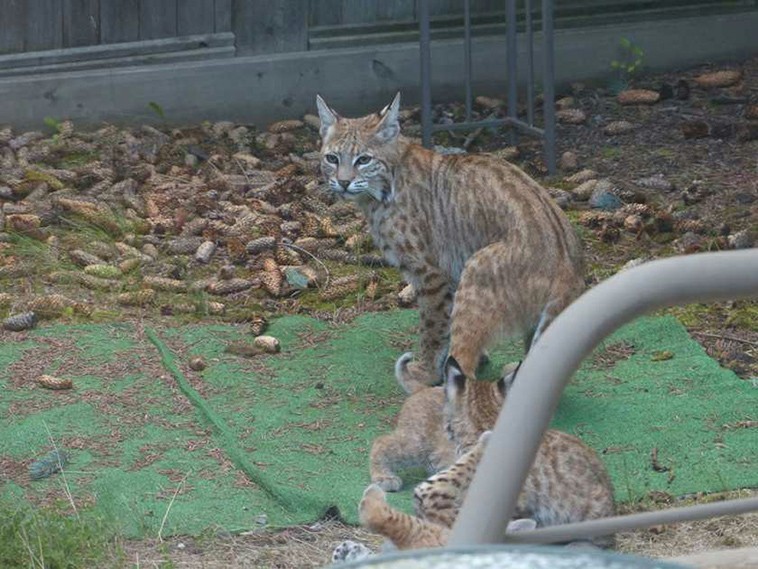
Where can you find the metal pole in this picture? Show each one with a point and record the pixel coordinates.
(607, 526)
(426, 73)
(467, 54)
(530, 63)
(551, 362)
(511, 59)
(548, 84)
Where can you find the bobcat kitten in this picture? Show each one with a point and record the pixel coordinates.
(472, 226)
(435, 500)
(567, 482)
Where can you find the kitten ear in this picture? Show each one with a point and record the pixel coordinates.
(389, 126)
(326, 114)
(455, 380)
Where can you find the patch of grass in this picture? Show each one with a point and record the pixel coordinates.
(743, 314)
(47, 538)
(610, 152)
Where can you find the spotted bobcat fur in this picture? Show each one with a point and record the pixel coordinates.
(567, 482)
(483, 244)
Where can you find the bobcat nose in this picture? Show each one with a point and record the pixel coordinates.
(344, 183)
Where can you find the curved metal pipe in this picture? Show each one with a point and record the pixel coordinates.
(551, 362)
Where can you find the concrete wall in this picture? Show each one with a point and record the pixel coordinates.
(260, 89)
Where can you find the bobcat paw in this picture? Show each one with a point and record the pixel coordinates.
(350, 551)
(388, 483)
(372, 506)
(412, 376)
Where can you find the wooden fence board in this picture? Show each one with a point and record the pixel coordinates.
(119, 20)
(270, 26)
(43, 25)
(157, 19)
(195, 17)
(81, 22)
(12, 25)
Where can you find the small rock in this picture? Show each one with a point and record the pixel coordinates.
(604, 200)
(657, 182)
(562, 197)
(723, 78)
(581, 177)
(261, 520)
(688, 243)
(584, 190)
(489, 103)
(407, 296)
(618, 127)
(197, 363)
(268, 344)
(569, 161)
(6, 193)
(571, 116)
(740, 240)
(191, 160)
(20, 322)
(638, 97)
(205, 252)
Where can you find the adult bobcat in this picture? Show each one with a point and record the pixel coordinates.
(470, 225)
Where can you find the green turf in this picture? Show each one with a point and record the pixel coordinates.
(154, 444)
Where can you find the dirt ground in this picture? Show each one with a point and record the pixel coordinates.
(686, 168)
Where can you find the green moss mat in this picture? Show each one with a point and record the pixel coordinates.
(153, 444)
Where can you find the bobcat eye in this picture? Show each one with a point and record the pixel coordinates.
(332, 158)
(363, 160)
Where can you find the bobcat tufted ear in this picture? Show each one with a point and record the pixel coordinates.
(389, 127)
(455, 380)
(326, 114)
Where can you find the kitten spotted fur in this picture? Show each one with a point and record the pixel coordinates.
(483, 244)
(567, 482)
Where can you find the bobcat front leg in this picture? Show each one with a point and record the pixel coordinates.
(435, 299)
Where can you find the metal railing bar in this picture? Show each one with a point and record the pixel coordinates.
(519, 124)
(548, 85)
(511, 46)
(606, 526)
(530, 63)
(467, 54)
(552, 360)
(426, 72)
